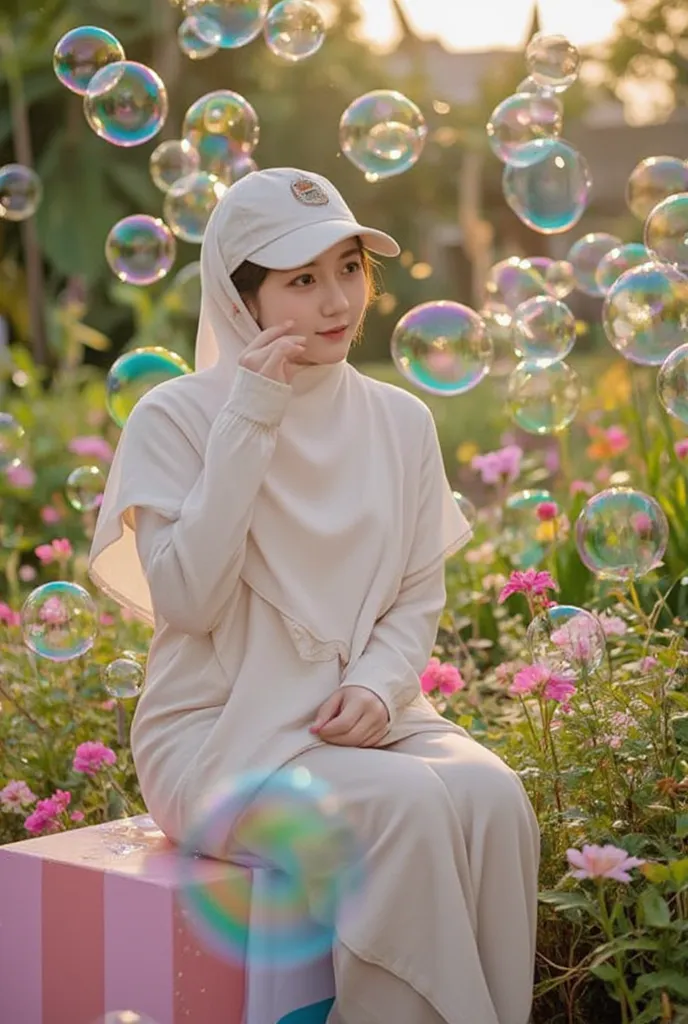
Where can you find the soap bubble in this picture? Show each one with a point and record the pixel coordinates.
(567, 639)
(559, 279)
(172, 160)
(228, 23)
(529, 85)
(21, 192)
(126, 103)
(497, 324)
(221, 126)
(11, 441)
(544, 330)
(617, 261)
(518, 120)
(294, 29)
(84, 488)
(189, 204)
(82, 52)
(241, 166)
(123, 678)
(666, 231)
(653, 180)
(549, 194)
(140, 249)
(382, 133)
(510, 282)
(59, 621)
(672, 383)
(467, 507)
(525, 539)
(442, 348)
(552, 61)
(645, 313)
(187, 289)
(193, 45)
(543, 401)
(291, 821)
(135, 373)
(621, 534)
(585, 256)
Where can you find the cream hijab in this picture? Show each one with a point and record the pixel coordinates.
(352, 501)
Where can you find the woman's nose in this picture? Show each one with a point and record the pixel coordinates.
(335, 300)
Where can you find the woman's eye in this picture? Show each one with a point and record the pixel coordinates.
(353, 267)
(303, 279)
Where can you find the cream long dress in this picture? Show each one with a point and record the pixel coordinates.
(452, 844)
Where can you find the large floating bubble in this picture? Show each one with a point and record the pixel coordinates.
(653, 180)
(552, 61)
(543, 401)
(124, 678)
(510, 282)
(291, 821)
(466, 507)
(84, 488)
(135, 373)
(193, 45)
(189, 204)
(621, 534)
(82, 52)
(59, 621)
(294, 29)
(557, 274)
(666, 231)
(442, 347)
(172, 160)
(672, 383)
(126, 103)
(382, 133)
(526, 540)
(140, 249)
(221, 126)
(585, 256)
(550, 193)
(568, 639)
(645, 313)
(227, 23)
(11, 441)
(617, 261)
(544, 330)
(518, 120)
(187, 289)
(21, 192)
(241, 166)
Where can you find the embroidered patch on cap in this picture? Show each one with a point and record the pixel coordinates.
(308, 191)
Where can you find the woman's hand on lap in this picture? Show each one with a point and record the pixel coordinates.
(352, 717)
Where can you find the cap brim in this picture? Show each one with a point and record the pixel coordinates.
(306, 243)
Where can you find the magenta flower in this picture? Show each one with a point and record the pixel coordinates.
(531, 583)
(602, 862)
(20, 476)
(617, 439)
(499, 466)
(90, 757)
(91, 446)
(16, 795)
(546, 511)
(611, 625)
(681, 447)
(45, 818)
(50, 515)
(540, 679)
(441, 676)
(58, 550)
(580, 487)
(8, 616)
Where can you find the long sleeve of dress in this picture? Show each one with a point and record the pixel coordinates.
(193, 563)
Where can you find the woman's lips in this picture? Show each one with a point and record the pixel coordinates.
(334, 335)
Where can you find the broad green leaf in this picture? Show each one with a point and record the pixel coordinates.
(605, 972)
(679, 871)
(670, 980)
(655, 909)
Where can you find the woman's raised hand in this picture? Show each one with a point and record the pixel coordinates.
(273, 353)
(352, 717)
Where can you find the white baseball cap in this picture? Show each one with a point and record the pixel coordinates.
(281, 218)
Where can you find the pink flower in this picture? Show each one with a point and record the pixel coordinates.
(91, 446)
(91, 756)
(106, 619)
(552, 460)
(642, 524)
(76, 816)
(45, 817)
(59, 550)
(611, 625)
(648, 663)
(45, 554)
(499, 466)
(602, 862)
(108, 705)
(580, 487)
(20, 476)
(541, 679)
(530, 582)
(559, 688)
(617, 439)
(16, 795)
(681, 447)
(547, 510)
(441, 676)
(8, 616)
(50, 515)
(27, 573)
(54, 611)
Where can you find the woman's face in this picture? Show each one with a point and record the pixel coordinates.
(326, 300)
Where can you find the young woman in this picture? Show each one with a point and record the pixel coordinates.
(283, 521)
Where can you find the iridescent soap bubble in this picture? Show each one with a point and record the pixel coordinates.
(466, 507)
(617, 261)
(11, 441)
(382, 133)
(672, 383)
(559, 279)
(59, 621)
(228, 23)
(241, 166)
(21, 192)
(518, 120)
(135, 373)
(294, 29)
(525, 539)
(140, 249)
(498, 324)
(585, 256)
(568, 639)
(442, 348)
(510, 282)
(172, 160)
(666, 231)
(189, 204)
(645, 313)
(123, 678)
(543, 401)
(550, 193)
(194, 46)
(82, 52)
(84, 488)
(221, 126)
(621, 534)
(544, 330)
(290, 820)
(529, 85)
(126, 103)
(552, 61)
(187, 289)
(653, 180)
